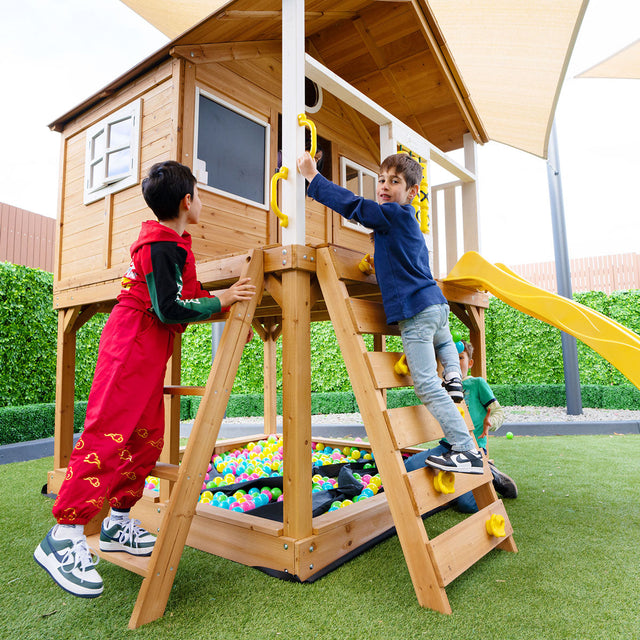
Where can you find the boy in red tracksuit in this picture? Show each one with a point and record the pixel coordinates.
(124, 427)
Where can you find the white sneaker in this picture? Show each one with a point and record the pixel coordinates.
(70, 563)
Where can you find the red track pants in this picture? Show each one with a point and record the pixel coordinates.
(124, 428)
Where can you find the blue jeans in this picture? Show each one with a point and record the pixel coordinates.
(465, 503)
(425, 336)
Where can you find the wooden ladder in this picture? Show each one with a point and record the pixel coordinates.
(432, 564)
(159, 569)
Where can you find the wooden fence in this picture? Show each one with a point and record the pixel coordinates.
(27, 238)
(602, 273)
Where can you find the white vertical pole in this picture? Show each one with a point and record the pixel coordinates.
(470, 225)
(293, 135)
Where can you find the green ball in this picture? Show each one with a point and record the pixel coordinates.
(509, 435)
(455, 335)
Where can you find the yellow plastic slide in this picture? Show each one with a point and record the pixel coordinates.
(616, 343)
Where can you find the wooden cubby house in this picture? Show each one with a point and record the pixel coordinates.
(224, 98)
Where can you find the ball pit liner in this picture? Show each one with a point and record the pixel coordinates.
(348, 487)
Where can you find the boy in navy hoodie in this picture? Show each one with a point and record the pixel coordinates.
(410, 295)
(124, 427)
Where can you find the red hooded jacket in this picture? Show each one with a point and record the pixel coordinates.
(162, 278)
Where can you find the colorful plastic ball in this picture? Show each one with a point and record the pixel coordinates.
(456, 336)
(460, 346)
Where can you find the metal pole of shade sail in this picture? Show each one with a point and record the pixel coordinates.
(563, 275)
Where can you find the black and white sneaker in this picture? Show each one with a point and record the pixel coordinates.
(457, 461)
(453, 385)
(503, 484)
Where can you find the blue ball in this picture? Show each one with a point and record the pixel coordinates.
(460, 346)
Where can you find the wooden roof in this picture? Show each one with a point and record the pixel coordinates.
(387, 50)
(492, 68)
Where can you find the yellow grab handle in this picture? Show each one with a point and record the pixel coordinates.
(495, 526)
(303, 121)
(401, 367)
(366, 265)
(444, 482)
(283, 173)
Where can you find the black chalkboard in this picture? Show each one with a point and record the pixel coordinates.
(234, 150)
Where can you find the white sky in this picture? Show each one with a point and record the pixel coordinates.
(54, 54)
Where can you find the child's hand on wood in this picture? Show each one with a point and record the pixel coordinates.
(240, 290)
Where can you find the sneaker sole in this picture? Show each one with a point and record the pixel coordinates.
(442, 467)
(42, 558)
(109, 547)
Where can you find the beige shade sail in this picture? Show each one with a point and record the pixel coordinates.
(625, 64)
(512, 56)
(508, 57)
(173, 17)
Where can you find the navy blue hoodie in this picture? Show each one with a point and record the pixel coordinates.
(401, 255)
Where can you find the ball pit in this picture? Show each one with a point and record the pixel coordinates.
(259, 461)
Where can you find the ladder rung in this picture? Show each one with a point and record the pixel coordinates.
(460, 547)
(346, 262)
(369, 317)
(165, 471)
(177, 390)
(135, 564)
(413, 425)
(427, 498)
(381, 365)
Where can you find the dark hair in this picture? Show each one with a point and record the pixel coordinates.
(405, 165)
(165, 186)
(468, 347)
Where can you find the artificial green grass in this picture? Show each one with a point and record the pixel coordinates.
(576, 576)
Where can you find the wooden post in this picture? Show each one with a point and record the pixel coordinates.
(296, 405)
(270, 376)
(171, 449)
(65, 387)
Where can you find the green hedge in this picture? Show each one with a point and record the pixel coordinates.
(28, 339)
(34, 421)
(521, 351)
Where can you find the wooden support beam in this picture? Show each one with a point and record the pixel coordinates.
(227, 51)
(276, 15)
(164, 561)
(171, 450)
(272, 332)
(65, 388)
(296, 409)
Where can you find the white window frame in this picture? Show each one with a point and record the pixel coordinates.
(200, 170)
(344, 163)
(122, 180)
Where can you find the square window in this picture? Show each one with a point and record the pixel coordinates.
(232, 151)
(112, 152)
(362, 182)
